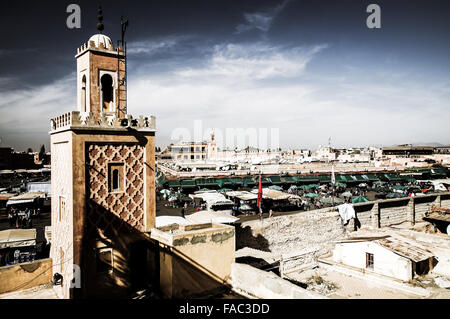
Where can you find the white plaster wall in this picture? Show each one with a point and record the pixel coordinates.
(61, 184)
(385, 262)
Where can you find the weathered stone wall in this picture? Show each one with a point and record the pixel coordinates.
(25, 275)
(364, 214)
(288, 234)
(423, 205)
(393, 212)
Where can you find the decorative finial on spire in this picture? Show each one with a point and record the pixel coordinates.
(100, 25)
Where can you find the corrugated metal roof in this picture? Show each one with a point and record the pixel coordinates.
(398, 246)
(405, 249)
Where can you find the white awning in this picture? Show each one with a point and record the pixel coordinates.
(206, 216)
(17, 238)
(19, 201)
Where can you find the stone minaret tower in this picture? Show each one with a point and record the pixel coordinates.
(103, 180)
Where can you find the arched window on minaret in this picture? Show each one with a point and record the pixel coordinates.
(83, 94)
(107, 93)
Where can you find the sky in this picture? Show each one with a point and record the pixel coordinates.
(297, 72)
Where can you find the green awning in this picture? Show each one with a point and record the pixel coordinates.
(224, 182)
(174, 183)
(339, 184)
(249, 181)
(275, 179)
(288, 180)
(393, 177)
(438, 172)
(372, 177)
(359, 199)
(201, 182)
(359, 178)
(188, 183)
(307, 178)
(206, 182)
(341, 178)
(324, 178)
(161, 181)
(236, 180)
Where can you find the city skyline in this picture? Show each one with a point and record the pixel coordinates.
(312, 70)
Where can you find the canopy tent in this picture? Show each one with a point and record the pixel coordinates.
(12, 238)
(339, 184)
(399, 187)
(329, 200)
(246, 208)
(277, 188)
(160, 181)
(378, 183)
(382, 190)
(311, 195)
(225, 190)
(25, 198)
(359, 199)
(347, 194)
(206, 216)
(313, 185)
(165, 191)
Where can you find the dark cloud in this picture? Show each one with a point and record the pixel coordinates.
(37, 50)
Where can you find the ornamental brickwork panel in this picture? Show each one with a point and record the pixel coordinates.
(109, 210)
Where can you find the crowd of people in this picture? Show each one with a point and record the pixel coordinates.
(22, 218)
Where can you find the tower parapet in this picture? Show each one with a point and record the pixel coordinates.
(75, 119)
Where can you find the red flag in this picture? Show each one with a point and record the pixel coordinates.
(259, 201)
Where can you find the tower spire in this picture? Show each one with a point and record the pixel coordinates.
(100, 25)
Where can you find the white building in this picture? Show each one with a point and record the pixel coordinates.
(385, 255)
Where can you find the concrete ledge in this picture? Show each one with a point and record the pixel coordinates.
(254, 282)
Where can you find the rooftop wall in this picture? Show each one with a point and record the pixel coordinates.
(25, 275)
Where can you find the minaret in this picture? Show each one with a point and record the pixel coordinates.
(101, 73)
(103, 179)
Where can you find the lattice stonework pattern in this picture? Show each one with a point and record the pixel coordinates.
(126, 206)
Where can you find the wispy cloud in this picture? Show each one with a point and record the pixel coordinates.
(150, 47)
(255, 61)
(261, 20)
